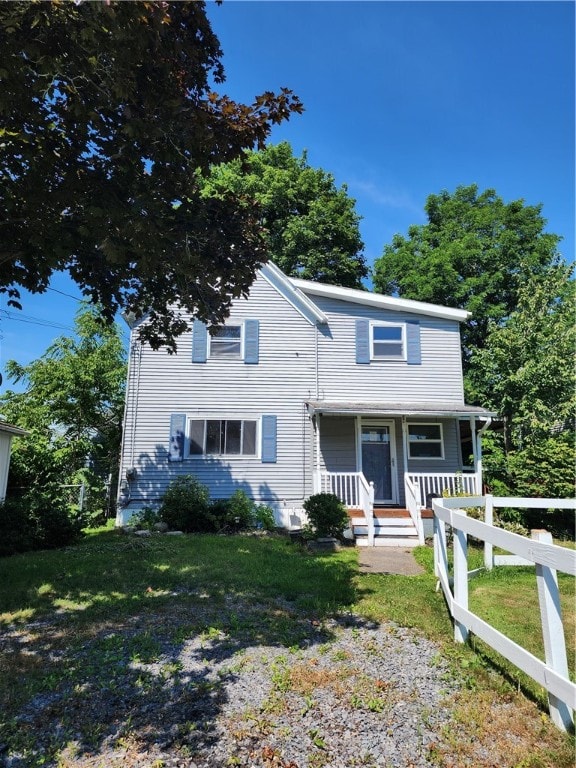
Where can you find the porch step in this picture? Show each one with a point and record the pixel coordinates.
(388, 531)
(396, 541)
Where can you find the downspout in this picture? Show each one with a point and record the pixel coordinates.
(481, 431)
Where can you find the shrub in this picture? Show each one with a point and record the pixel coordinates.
(242, 511)
(220, 513)
(326, 514)
(36, 520)
(185, 506)
(264, 517)
(145, 519)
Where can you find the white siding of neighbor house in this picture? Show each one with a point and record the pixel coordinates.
(297, 362)
(284, 378)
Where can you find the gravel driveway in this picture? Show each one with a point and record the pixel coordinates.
(234, 682)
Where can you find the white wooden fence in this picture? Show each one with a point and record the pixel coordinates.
(547, 557)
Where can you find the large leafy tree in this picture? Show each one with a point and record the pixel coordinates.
(107, 114)
(310, 224)
(526, 372)
(71, 405)
(475, 253)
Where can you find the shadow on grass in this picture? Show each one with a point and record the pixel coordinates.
(133, 644)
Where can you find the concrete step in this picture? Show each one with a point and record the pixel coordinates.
(396, 541)
(400, 522)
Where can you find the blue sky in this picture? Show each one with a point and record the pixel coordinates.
(402, 99)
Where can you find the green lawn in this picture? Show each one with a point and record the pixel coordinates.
(109, 580)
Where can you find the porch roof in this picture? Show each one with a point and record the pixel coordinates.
(384, 408)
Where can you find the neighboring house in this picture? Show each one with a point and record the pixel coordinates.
(7, 432)
(306, 388)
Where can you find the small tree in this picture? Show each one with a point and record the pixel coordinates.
(327, 515)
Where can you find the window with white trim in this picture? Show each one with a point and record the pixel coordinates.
(222, 437)
(226, 341)
(388, 341)
(425, 441)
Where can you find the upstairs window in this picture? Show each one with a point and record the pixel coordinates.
(226, 341)
(388, 342)
(425, 441)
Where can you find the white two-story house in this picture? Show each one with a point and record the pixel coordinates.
(307, 388)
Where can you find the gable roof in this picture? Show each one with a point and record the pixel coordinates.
(368, 299)
(293, 295)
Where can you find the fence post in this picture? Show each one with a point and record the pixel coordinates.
(81, 497)
(489, 520)
(553, 632)
(460, 578)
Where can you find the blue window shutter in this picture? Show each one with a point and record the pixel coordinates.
(362, 341)
(177, 436)
(269, 429)
(251, 339)
(199, 342)
(413, 354)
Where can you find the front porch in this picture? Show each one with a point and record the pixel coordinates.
(386, 462)
(396, 526)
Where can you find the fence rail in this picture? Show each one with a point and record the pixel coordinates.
(548, 558)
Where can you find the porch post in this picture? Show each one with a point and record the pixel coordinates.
(405, 447)
(317, 482)
(477, 451)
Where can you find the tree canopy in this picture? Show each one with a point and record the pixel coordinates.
(526, 372)
(71, 406)
(474, 253)
(310, 225)
(109, 114)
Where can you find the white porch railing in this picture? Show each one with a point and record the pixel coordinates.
(453, 483)
(354, 491)
(413, 505)
(551, 674)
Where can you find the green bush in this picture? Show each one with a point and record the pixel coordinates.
(145, 519)
(241, 511)
(327, 515)
(220, 513)
(264, 517)
(185, 506)
(36, 521)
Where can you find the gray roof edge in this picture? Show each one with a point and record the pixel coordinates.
(11, 429)
(400, 409)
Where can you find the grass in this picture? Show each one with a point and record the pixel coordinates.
(115, 594)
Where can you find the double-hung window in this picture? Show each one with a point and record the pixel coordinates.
(425, 441)
(388, 341)
(226, 341)
(223, 437)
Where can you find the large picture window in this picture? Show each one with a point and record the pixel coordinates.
(222, 437)
(226, 341)
(425, 441)
(388, 342)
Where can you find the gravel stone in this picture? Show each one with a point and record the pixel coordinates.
(349, 693)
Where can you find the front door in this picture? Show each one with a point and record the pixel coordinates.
(378, 462)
